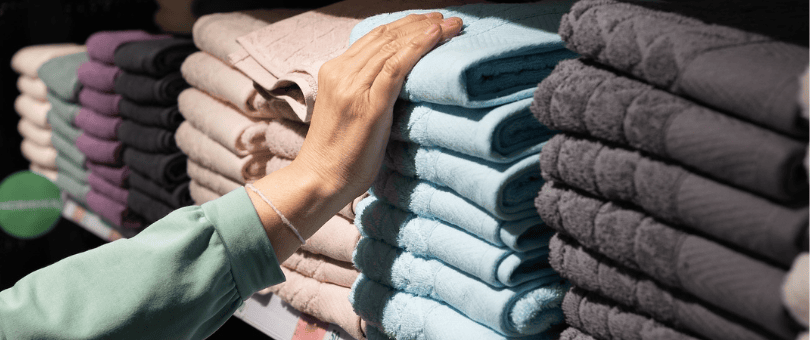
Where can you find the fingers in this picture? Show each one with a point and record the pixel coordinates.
(378, 32)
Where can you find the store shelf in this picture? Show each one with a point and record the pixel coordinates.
(266, 313)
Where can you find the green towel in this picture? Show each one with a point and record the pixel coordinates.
(67, 149)
(66, 166)
(72, 187)
(59, 74)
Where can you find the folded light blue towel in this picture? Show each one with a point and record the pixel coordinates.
(502, 134)
(506, 190)
(430, 238)
(501, 55)
(430, 201)
(493, 307)
(61, 77)
(402, 315)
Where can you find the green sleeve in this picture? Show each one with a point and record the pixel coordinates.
(182, 277)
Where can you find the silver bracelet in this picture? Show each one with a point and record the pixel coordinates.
(283, 219)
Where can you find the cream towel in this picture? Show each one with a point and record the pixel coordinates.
(216, 33)
(45, 172)
(214, 156)
(218, 184)
(284, 138)
(336, 239)
(215, 77)
(33, 110)
(201, 194)
(34, 133)
(33, 87)
(276, 163)
(322, 268)
(794, 291)
(44, 156)
(28, 59)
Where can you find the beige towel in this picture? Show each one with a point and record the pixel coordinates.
(33, 87)
(201, 194)
(211, 180)
(336, 239)
(214, 156)
(175, 16)
(33, 110)
(28, 59)
(45, 172)
(322, 268)
(324, 301)
(34, 133)
(276, 163)
(794, 291)
(44, 156)
(221, 81)
(284, 138)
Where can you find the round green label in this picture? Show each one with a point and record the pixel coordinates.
(30, 205)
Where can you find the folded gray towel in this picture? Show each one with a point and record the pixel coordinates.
(678, 196)
(746, 74)
(606, 320)
(584, 99)
(574, 334)
(591, 271)
(727, 279)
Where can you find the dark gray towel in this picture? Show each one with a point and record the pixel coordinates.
(593, 272)
(718, 275)
(606, 320)
(746, 74)
(574, 334)
(678, 196)
(149, 208)
(154, 57)
(167, 117)
(146, 138)
(151, 91)
(164, 169)
(174, 196)
(584, 99)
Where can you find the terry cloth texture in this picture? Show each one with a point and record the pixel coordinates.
(794, 290)
(526, 309)
(101, 46)
(151, 91)
(103, 103)
(749, 75)
(402, 315)
(33, 87)
(98, 76)
(504, 190)
(163, 169)
(33, 133)
(502, 134)
(216, 182)
(201, 194)
(44, 156)
(153, 57)
(61, 76)
(66, 166)
(146, 206)
(33, 110)
(146, 138)
(210, 154)
(504, 51)
(637, 292)
(716, 274)
(606, 320)
(276, 163)
(325, 301)
(99, 150)
(434, 239)
(116, 175)
(67, 148)
(587, 100)
(336, 239)
(574, 334)
(105, 188)
(28, 59)
(285, 64)
(284, 138)
(97, 125)
(76, 189)
(322, 268)
(174, 196)
(167, 117)
(213, 76)
(430, 201)
(678, 196)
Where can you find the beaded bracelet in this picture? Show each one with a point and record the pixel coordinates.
(283, 219)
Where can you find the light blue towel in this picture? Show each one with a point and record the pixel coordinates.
(500, 56)
(405, 316)
(507, 191)
(430, 201)
(502, 134)
(493, 307)
(430, 238)
(61, 77)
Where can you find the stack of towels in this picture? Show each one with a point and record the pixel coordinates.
(150, 83)
(677, 188)
(452, 247)
(32, 105)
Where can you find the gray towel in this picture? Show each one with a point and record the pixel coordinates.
(677, 196)
(574, 334)
(593, 272)
(718, 275)
(584, 99)
(746, 74)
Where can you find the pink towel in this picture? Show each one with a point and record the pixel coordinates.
(34, 133)
(99, 76)
(212, 155)
(100, 102)
(216, 33)
(50, 174)
(28, 59)
(97, 125)
(322, 268)
(101, 45)
(108, 189)
(201, 194)
(794, 291)
(117, 175)
(284, 138)
(99, 150)
(44, 156)
(32, 87)
(34, 110)
(112, 211)
(218, 184)
(336, 239)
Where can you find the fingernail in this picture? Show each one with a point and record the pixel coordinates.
(451, 22)
(434, 15)
(432, 29)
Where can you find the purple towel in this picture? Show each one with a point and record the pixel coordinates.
(96, 125)
(101, 46)
(103, 103)
(112, 211)
(98, 184)
(99, 150)
(117, 175)
(99, 76)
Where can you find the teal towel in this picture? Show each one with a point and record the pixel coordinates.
(75, 189)
(67, 148)
(66, 166)
(61, 77)
(67, 110)
(501, 55)
(526, 309)
(430, 238)
(502, 134)
(401, 315)
(430, 201)
(58, 124)
(507, 191)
